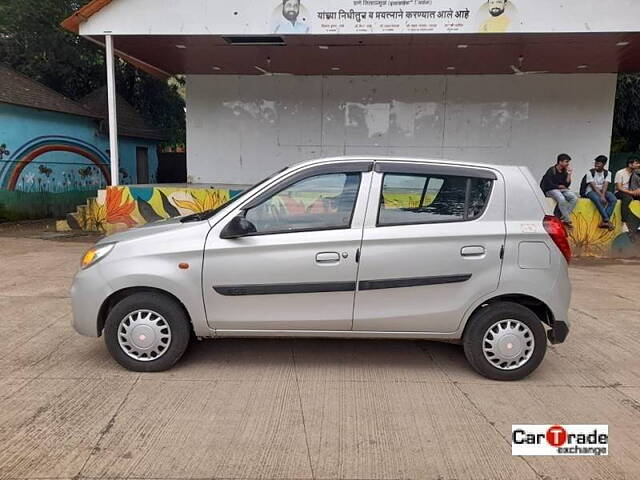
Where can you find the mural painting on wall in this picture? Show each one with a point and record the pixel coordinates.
(48, 175)
(589, 240)
(118, 208)
(54, 164)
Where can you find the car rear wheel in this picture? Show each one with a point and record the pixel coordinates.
(505, 341)
(147, 332)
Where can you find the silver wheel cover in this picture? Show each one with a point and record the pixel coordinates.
(144, 335)
(508, 344)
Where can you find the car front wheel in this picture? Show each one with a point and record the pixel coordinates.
(147, 332)
(505, 341)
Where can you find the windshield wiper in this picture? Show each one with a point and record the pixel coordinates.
(199, 216)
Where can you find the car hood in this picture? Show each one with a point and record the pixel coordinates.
(147, 230)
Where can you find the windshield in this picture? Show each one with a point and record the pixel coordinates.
(196, 217)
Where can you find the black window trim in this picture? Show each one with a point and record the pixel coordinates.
(344, 167)
(434, 174)
(427, 168)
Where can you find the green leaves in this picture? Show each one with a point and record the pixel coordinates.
(626, 122)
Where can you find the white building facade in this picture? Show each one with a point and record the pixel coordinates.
(241, 128)
(272, 84)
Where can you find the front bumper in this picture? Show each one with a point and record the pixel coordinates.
(88, 292)
(558, 333)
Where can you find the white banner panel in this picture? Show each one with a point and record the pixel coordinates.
(319, 17)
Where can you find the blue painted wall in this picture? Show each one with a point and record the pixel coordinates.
(55, 181)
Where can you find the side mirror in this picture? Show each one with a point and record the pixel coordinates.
(237, 227)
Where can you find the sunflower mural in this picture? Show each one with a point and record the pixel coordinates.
(587, 239)
(200, 200)
(119, 208)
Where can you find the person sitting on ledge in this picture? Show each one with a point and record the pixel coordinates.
(555, 184)
(595, 187)
(627, 190)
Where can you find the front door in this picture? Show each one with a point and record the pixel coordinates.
(431, 246)
(298, 270)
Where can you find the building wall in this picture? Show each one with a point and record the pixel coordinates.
(56, 161)
(242, 128)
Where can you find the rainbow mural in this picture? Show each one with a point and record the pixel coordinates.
(51, 161)
(49, 176)
(15, 174)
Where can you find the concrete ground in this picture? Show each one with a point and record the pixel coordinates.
(297, 409)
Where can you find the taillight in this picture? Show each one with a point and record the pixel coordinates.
(558, 234)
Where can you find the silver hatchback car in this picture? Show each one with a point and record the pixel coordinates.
(342, 247)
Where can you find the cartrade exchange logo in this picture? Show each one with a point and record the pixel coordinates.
(560, 440)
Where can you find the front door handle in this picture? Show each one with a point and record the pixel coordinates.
(473, 251)
(327, 257)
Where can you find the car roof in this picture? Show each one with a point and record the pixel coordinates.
(379, 158)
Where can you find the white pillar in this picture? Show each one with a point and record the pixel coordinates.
(113, 119)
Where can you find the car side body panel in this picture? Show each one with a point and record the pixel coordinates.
(148, 257)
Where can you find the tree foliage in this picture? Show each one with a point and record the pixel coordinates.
(626, 122)
(33, 43)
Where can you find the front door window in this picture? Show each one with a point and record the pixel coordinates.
(321, 202)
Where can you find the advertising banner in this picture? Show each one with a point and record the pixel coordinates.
(395, 16)
(330, 17)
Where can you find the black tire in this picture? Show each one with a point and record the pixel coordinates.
(484, 319)
(173, 314)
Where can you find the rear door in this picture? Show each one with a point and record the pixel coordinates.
(431, 246)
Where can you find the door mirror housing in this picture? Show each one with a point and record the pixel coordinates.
(238, 227)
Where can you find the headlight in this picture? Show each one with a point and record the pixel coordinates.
(95, 254)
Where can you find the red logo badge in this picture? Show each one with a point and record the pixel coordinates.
(556, 436)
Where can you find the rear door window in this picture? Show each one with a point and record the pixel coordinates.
(409, 198)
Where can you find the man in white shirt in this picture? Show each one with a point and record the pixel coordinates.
(290, 23)
(597, 184)
(627, 190)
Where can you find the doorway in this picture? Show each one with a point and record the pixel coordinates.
(142, 165)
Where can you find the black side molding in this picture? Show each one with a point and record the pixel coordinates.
(288, 288)
(285, 288)
(412, 282)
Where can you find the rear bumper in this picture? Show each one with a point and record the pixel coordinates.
(558, 333)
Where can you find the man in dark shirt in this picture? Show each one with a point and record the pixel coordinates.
(555, 184)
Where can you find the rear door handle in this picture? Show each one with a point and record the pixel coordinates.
(473, 251)
(327, 257)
